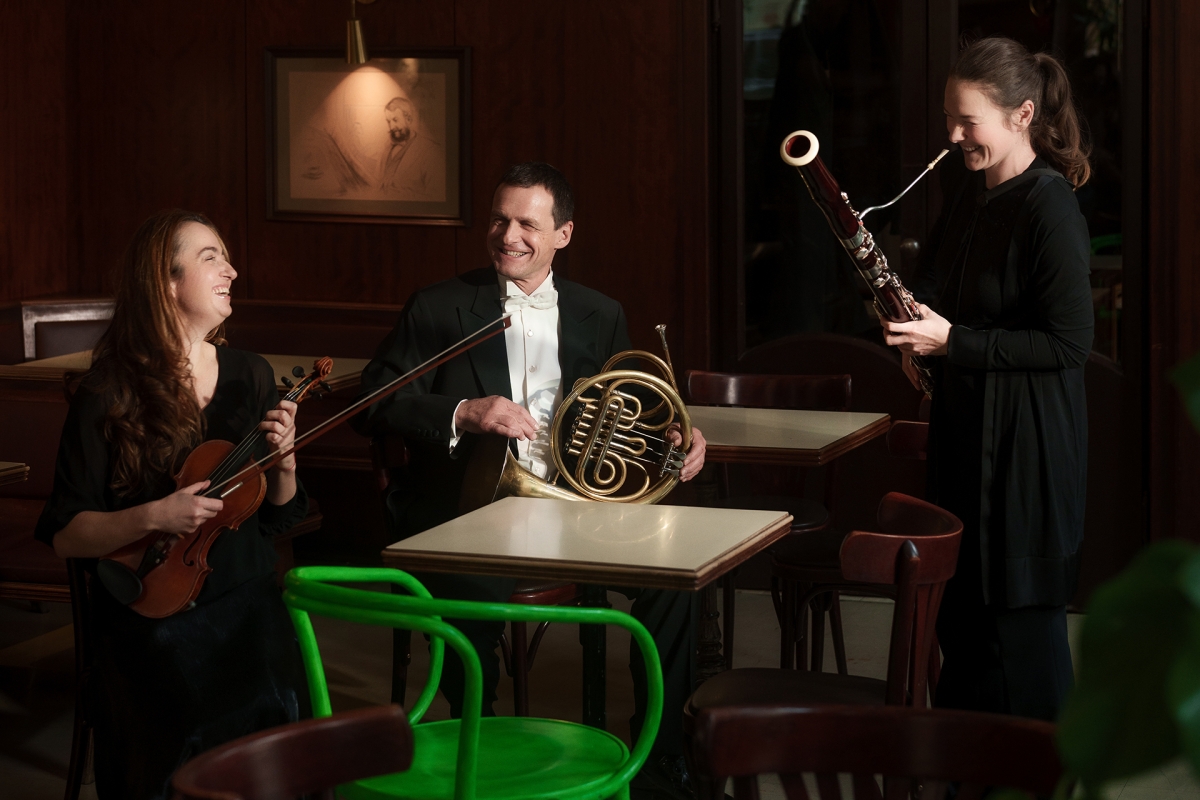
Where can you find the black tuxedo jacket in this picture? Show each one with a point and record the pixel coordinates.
(592, 329)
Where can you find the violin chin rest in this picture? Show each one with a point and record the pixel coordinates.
(122, 582)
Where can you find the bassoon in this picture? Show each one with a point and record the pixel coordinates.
(892, 301)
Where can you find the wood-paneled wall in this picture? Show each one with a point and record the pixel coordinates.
(126, 108)
(1173, 265)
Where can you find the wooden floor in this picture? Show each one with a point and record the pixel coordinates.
(36, 670)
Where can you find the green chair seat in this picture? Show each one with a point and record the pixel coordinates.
(519, 757)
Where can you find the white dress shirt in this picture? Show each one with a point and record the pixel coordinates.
(534, 372)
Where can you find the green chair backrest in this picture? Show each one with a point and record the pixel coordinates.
(314, 590)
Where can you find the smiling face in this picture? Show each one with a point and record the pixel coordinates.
(202, 289)
(522, 237)
(992, 139)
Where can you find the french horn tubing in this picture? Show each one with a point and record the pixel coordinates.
(608, 440)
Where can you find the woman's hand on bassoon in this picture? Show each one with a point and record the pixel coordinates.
(928, 336)
(184, 510)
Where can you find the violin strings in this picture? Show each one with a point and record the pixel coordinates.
(246, 447)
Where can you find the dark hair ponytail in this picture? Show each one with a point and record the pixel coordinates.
(1009, 75)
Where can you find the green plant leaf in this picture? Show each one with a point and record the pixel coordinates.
(1186, 378)
(1118, 721)
(1183, 682)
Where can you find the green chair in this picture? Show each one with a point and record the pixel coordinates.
(493, 757)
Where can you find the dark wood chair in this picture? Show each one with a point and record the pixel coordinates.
(301, 759)
(389, 455)
(907, 440)
(811, 538)
(910, 752)
(915, 551)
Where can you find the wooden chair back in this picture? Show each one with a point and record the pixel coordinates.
(811, 392)
(908, 439)
(915, 550)
(302, 758)
(883, 752)
(805, 392)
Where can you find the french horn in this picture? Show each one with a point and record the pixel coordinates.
(608, 441)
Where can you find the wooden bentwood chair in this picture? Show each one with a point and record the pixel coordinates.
(915, 551)
(302, 758)
(916, 752)
(518, 649)
(811, 540)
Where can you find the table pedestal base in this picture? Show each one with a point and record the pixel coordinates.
(594, 641)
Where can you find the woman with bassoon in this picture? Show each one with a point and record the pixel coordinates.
(1007, 323)
(162, 381)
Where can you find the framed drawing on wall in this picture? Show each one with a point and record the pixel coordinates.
(384, 142)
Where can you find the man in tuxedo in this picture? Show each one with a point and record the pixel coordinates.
(511, 385)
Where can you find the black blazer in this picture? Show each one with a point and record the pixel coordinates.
(592, 329)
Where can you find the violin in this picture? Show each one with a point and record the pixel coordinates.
(162, 574)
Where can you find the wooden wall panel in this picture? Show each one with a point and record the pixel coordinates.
(158, 121)
(33, 164)
(613, 94)
(1173, 265)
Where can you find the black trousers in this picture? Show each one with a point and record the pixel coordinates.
(667, 615)
(1004, 660)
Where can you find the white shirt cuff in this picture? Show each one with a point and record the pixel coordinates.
(455, 435)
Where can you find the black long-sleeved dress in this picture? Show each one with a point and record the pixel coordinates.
(168, 689)
(1008, 449)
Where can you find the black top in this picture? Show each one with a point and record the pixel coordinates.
(245, 392)
(1008, 449)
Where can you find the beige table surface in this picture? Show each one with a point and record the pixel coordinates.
(656, 546)
(784, 436)
(345, 370)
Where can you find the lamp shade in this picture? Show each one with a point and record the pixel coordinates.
(356, 48)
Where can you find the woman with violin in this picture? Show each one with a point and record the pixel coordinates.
(162, 382)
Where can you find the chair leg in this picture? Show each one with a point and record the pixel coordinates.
(729, 596)
(81, 738)
(401, 658)
(787, 623)
(835, 628)
(801, 635)
(520, 669)
(819, 606)
(935, 667)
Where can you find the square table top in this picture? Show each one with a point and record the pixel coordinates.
(617, 544)
(784, 436)
(345, 370)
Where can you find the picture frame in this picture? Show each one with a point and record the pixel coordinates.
(386, 142)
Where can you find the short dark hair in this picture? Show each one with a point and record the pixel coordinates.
(537, 173)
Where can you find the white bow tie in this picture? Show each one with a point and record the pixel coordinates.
(542, 300)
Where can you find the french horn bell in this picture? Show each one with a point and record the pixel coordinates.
(608, 441)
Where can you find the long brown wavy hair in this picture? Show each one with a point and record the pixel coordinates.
(140, 365)
(1009, 75)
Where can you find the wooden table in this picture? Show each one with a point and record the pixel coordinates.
(596, 544)
(12, 472)
(345, 370)
(340, 449)
(774, 437)
(784, 437)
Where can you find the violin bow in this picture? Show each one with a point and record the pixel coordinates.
(454, 350)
